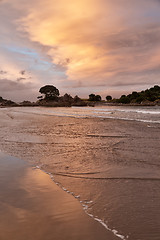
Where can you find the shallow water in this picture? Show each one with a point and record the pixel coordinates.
(33, 207)
(112, 166)
(150, 114)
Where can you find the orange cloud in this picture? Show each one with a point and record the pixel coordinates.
(75, 31)
(95, 42)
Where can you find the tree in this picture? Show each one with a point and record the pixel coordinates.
(157, 88)
(140, 99)
(50, 92)
(93, 97)
(108, 98)
(135, 94)
(124, 99)
(76, 99)
(151, 95)
(40, 97)
(67, 98)
(1, 99)
(98, 98)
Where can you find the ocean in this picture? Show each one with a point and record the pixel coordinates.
(107, 157)
(150, 114)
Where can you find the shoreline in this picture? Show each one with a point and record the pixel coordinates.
(87, 104)
(84, 206)
(66, 145)
(91, 116)
(39, 209)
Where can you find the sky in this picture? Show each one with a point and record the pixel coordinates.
(106, 47)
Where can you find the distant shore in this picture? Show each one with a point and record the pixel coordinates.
(51, 98)
(84, 104)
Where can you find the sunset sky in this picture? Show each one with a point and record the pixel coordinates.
(79, 46)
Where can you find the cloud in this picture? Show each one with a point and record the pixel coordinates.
(7, 85)
(17, 90)
(23, 72)
(81, 44)
(2, 72)
(98, 39)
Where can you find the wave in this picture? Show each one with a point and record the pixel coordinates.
(106, 178)
(136, 119)
(140, 115)
(105, 136)
(126, 109)
(85, 206)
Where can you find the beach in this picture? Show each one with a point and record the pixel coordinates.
(32, 207)
(108, 168)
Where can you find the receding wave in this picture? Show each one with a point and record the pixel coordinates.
(104, 136)
(106, 178)
(141, 114)
(84, 205)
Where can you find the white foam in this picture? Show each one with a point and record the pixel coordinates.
(88, 202)
(86, 207)
(78, 196)
(142, 114)
(115, 232)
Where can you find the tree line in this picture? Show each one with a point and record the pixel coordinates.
(151, 95)
(51, 93)
(51, 96)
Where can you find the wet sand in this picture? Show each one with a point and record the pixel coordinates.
(114, 165)
(33, 207)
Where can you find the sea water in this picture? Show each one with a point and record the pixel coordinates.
(106, 157)
(137, 113)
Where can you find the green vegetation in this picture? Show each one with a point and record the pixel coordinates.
(1, 99)
(51, 98)
(95, 98)
(108, 98)
(5, 102)
(149, 95)
(50, 92)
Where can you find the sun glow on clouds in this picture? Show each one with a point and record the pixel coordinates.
(73, 30)
(91, 44)
(95, 40)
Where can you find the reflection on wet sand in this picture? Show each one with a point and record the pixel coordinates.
(33, 207)
(112, 164)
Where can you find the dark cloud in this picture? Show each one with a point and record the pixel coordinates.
(135, 38)
(22, 72)
(8, 85)
(149, 72)
(3, 72)
(20, 79)
(17, 91)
